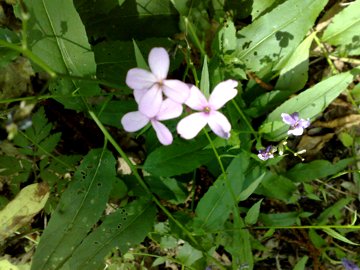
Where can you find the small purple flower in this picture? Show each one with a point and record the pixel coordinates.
(349, 265)
(208, 112)
(134, 121)
(149, 87)
(267, 153)
(297, 125)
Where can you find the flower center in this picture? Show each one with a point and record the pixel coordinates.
(207, 110)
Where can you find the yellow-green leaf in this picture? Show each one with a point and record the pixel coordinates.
(20, 211)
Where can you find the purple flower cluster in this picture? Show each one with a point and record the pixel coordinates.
(159, 99)
(297, 126)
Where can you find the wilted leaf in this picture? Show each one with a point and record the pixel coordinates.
(20, 211)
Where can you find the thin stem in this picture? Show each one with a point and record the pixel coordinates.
(194, 36)
(26, 52)
(326, 54)
(243, 116)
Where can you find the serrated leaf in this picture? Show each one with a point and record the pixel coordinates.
(57, 35)
(178, 158)
(80, 206)
(308, 104)
(338, 236)
(272, 37)
(123, 229)
(21, 210)
(344, 30)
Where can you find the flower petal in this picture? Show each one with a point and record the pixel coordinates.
(139, 93)
(138, 78)
(219, 124)
(133, 121)
(150, 102)
(177, 90)
(289, 118)
(162, 132)
(222, 93)
(159, 63)
(304, 123)
(191, 125)
(169, 109)
(296, 131)
(196, 100)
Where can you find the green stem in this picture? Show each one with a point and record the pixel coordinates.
(26, 52)
(326, 54)
(243, 116)
(194, 36)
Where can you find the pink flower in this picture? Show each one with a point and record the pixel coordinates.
(297, 125)
(134, 121)
(150, 86)
(208, 113)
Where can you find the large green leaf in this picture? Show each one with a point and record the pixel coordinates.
(178, 158)
(259, 7)
(344, 31)
(127, 20)
(123, 229)
(80, 206)
(57, 35)
(308, 104)
(272, 37)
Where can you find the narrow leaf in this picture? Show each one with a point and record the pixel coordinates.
(80, 206)
(253, 213)
(338, 236)
(205, 82)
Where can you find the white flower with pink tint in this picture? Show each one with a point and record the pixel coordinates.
(208, 112)
(134, 121)
(149, 87)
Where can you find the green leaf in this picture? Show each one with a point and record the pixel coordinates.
(260, 7)
(308, 104)
(279, 219)
(300, 265)
(304, 172)
(344, 30)
(334, 210)
(294, 73)
(178, 158)
(188, 255)
(216, 205)
(80, 207)
(134, 19)
(272, 37)
(253, 213)
(37, 139)
(168, 189)
(338, 236)
(225, 39)
(21, 210)
(140, 61)
(205, 82)
(57, 35)
(123, 229)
